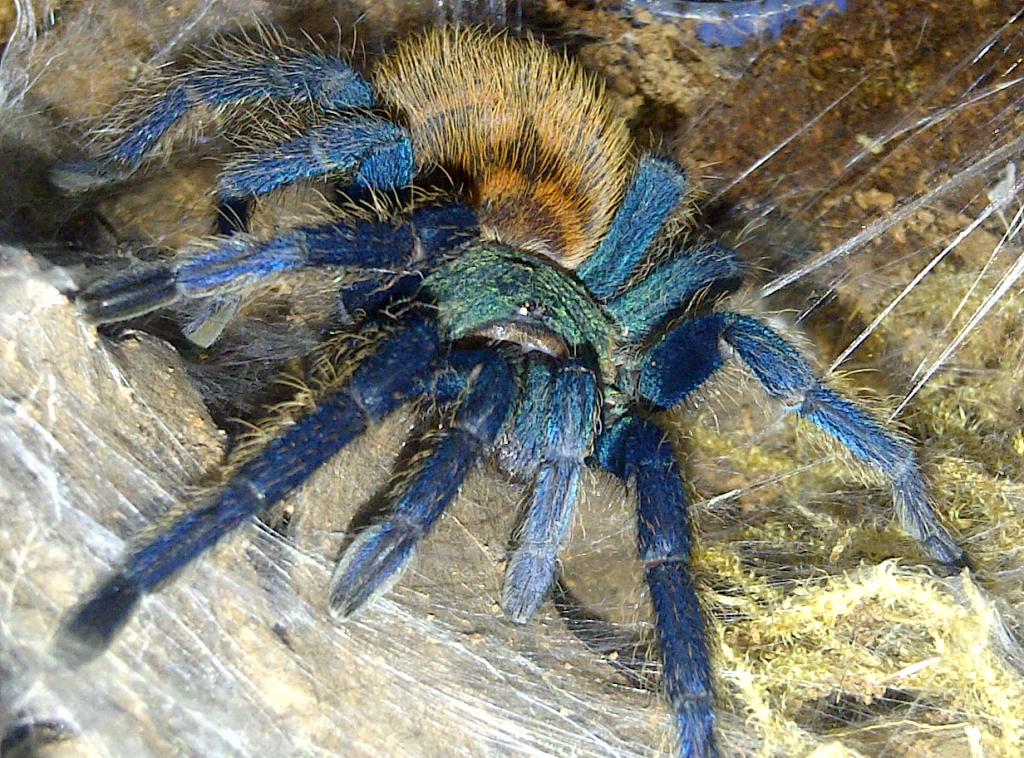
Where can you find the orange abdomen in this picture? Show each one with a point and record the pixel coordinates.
(530, 130)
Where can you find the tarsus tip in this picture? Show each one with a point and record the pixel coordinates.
(88, 628)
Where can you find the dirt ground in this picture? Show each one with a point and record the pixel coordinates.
(841, 160)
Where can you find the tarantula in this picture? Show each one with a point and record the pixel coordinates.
(544, 306)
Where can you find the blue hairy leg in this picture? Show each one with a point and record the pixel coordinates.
(566, 424)
(251, 76)
(657, 190)
(380, 384)
(212, 315)
(437, 230)
(643, 307)
(523, 440)
(636, 449)
(240, 261)
(366, 151)
(686, 356)
(375, 560)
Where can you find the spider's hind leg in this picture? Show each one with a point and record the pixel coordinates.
(647, 304)
(237, 74)
(398, 371)
(365, 151)
(373, 562)
(683, 358)
(636, 449)
(656, 193)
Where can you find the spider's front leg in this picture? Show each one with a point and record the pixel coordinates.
(398, 371)
(685, 357)
(481, 382)
(636, 450)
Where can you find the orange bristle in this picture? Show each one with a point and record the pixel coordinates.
(532, 132)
